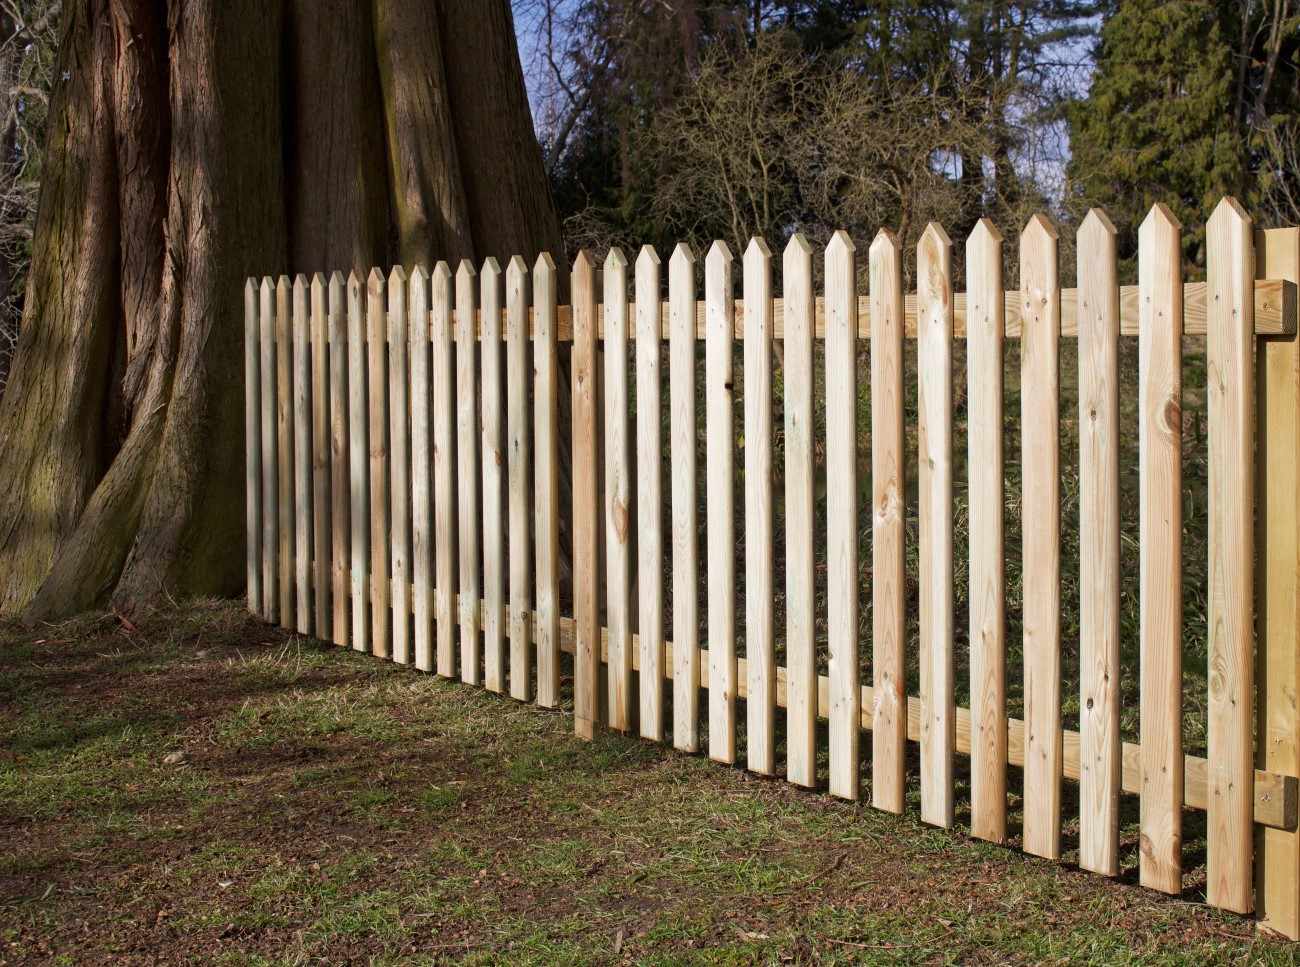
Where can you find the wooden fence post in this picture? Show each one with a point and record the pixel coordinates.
(1277, 669)
(586, 654)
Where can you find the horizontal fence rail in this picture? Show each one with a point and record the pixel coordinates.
(406, 466)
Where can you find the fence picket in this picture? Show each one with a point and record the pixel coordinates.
(547, 486)
(320, 458)
(284, 447)
(681, 378)
(340, 525)
(270, 462)
(444, 468)
(1230, 266)
(358, 456)
(302, 498)
(586, 616)
(494, 551)
(422, 535)
(720, 458)
(1160, 430)
(801, 667)
(518, 460)
(986, 326)
(760, 646)
(649, 527)
(842, 515)
(889, 492)
(399, 449)
(618, 566)
(252, 448)
(1040, 297)
(934, 418)
(380, 535)
(1099, 669)
(467, 444)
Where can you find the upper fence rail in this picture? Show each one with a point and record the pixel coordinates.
(403, 480)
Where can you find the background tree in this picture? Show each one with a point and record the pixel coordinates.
(196, 143)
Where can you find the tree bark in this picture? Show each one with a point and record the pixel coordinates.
(194, 143)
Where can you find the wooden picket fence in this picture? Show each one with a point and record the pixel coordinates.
(396, 506)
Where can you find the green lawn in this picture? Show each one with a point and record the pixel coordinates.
(205, 788)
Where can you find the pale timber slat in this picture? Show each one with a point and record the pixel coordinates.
(681, 376)
(1099, 669)
(888, 711)
(586, 618)
(494, 552)
(284, 448)
(988, 649)
(358, 458)
(801, 719)
(1277, 461)
(618, 561)
(760, 644)
(302, 501)
(1230, 389)
(842, 516)
(340, 486)
(1041, 552)
(934, 442)
(320, 458)
(444, 468)
(650, 549)
(270, 454)
(399, 450)
(1160, 428)
(422, 534)
(467, 488)
(719, 485)
(380, 534)
(518, 461)
(546, 487)
(252, 448)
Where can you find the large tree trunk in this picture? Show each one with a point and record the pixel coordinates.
(195, 143)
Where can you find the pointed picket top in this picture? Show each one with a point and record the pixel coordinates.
(984, 233)
(647, 257)
(1096, 222)
(355, 283)
(798, 246)
(397, 277)
(337, 282)
(683, 254)
(840, 242)
(886, 239)
(375, 282)
(300, 284)
(441, 273)
(1160, 216)
(1229, 209)
(317, 284)
(250, 287)
(719, 250)
(615, 259)
(544, 265)
(491, 267)
(419, 274)
(516, 270)
(757, 250)
(935, 233)
(465, 271)
(1040, 225)
(268, 285)
(282, 286)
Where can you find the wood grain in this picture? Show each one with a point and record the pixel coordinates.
(467, 483)
(340, 496)
(1160, 472)
(377, 382)
(546, 487)
(801, 709)
(320, 459)
(1230, 388)
(422, 532)
(586, 616)
(399, 435)
(494, 536)
(617, 496)
(1099, 535)
(987, 500)
(270, 456)
(842, 516)
(681, 377)
(284, 450)
(358, 462)
(518, 458)
(649, 496)
(441, 321)
(252, 449)
(760, 643)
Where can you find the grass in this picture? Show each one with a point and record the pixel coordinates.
(205, 788)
